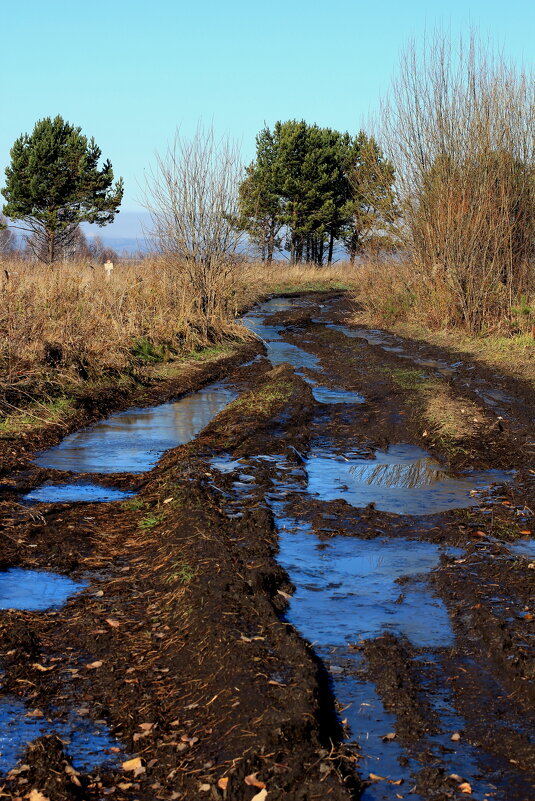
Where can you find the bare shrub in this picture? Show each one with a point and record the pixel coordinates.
(192, 197)
(459, 126)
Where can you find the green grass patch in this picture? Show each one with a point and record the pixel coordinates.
(182, 572)
(308, 286)
(150, 521)
(262, 400)
(133, 504)
(406, 377)
(36, 415)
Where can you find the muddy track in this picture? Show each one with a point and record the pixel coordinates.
(327, 593)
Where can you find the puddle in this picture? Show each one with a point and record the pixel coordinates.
(87, 743)
(77, 492)
(347, 589)
(35, 590)
(496, 399)
(369, 722)
(134, 440)
(279, 352)
(404, 480)
(523, 548)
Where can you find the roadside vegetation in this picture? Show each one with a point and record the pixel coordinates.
(429, 222)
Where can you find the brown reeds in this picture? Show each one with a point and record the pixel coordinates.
(459, 126)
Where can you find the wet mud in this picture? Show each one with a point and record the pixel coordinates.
(290, 584)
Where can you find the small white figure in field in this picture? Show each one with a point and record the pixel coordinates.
(108, 266)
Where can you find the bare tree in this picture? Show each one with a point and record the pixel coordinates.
(101, 253)
(192, 197)
(459, 127)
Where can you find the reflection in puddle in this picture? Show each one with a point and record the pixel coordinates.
(35, 590)
(134, 440)
(404, 480)
(347, 591)
(76, 492)
(87, 743)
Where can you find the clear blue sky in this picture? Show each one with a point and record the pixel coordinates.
(129, 72)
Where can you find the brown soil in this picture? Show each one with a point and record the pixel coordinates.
(179, 642)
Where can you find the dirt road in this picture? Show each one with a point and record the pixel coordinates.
(311, 579)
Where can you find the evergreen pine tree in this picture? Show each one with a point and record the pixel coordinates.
(54, 183)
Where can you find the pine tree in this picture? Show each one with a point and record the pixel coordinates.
(54, 183)
(312, 187)
(260, 203)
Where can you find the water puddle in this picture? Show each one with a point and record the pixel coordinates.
(35, 590)
(80, 491)
(369, 722)
(279, 351)
(134, 440)
(87, 743)
(523, 548)
(348, 589)
(403, 479)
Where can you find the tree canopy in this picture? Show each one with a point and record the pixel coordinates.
(310, 187)
(54, 183)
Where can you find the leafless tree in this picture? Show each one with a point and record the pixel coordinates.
(459, 126)
(192, 197)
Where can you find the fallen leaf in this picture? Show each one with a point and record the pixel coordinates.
(261, 796)
(36, 795)
(252, 781)
(94, 665)
(42, 668)
(456, 737)
(146, 726)
(167, 500)
(390, 736)
(124, 785)
(113, 623)
(35, 714)
(222, 783)
(375, 778)
(465, 788)
(526, 531)
(132, 764)
(204, 788)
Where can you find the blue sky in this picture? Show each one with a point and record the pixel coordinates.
(130, 72)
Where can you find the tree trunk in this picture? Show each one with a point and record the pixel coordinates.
(331, 247)
(51, 247)
(271, 242)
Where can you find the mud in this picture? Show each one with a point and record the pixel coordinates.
(269, 607)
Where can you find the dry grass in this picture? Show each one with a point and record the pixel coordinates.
(67, 325)
(391, 296)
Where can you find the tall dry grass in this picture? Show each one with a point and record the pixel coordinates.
(390, 292)
(67, 324)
